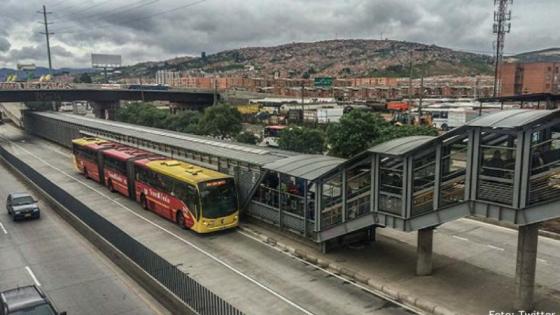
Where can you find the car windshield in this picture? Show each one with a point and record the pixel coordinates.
(41, 309)
(24, 200)
(219, 198)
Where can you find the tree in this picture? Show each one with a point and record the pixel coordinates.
(184, 121)
(220, 120)
(247, 137)
(83, 78)
(359, 130)
(303, 140)
(355, 132)
(145, 114)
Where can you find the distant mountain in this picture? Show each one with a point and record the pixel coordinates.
(40, 71)
(338, 58)
(545, 55)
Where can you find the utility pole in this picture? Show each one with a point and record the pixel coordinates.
(421, 96)
(410, 80)
(215, 92)
(47, 34)
(302, 96)
(502, 26)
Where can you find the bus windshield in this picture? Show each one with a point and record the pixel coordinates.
(219, 198)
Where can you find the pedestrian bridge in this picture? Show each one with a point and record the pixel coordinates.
(503, 166)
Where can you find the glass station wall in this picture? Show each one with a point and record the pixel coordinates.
(358, 183)
(331, 202)
(544, 179)
(497, 167)
(424, 169)
(391, 185)
(453, 172)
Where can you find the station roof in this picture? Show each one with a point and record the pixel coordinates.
(309, 167)
(515, 118)
(251, 154)
(523, 98)
(401, 146)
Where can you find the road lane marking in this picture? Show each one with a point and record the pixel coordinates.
(460, 238)
(32, 275)
(362, 287)
(3, 228)
(495, 247)
(542, 261)
(216, 259)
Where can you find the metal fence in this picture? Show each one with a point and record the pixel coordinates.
(199, 298)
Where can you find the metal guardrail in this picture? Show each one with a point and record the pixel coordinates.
(198, 297)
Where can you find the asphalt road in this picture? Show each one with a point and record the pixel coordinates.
(490, 247)
(50, 253)
(252, 276)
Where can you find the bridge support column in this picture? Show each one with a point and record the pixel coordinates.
(424, 252)
(105, 110)
(527, 243)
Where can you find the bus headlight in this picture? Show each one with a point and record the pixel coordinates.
(205, 223)
(234, 218)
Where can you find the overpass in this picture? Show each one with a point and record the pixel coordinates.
(503, 166)
(105, 101)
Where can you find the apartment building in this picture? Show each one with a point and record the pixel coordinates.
(529, 78)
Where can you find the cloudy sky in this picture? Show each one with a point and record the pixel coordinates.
(142, 30)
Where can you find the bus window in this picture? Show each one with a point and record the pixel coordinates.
(115, 164)
(219, 198)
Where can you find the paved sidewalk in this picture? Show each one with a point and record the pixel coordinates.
(456, 285)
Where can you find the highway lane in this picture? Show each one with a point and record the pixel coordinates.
(247, 273)
(490, 247)
(50, 253)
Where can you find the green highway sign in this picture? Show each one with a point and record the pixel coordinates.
(323, 82)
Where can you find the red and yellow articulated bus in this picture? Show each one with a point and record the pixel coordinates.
(200, 199)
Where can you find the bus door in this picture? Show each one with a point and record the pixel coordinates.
(131, 175)
(101, 167)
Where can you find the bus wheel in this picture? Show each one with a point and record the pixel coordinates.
(110, 186)
(144, 202)
(180, 219)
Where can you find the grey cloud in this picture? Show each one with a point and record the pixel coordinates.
(4, 44)
(214, 25)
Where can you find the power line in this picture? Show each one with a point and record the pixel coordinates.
(56, 3)
(113, 11)
(134, 20)
(84, 9)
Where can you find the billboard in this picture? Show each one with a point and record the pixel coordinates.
(105, 61)
(26, 67)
